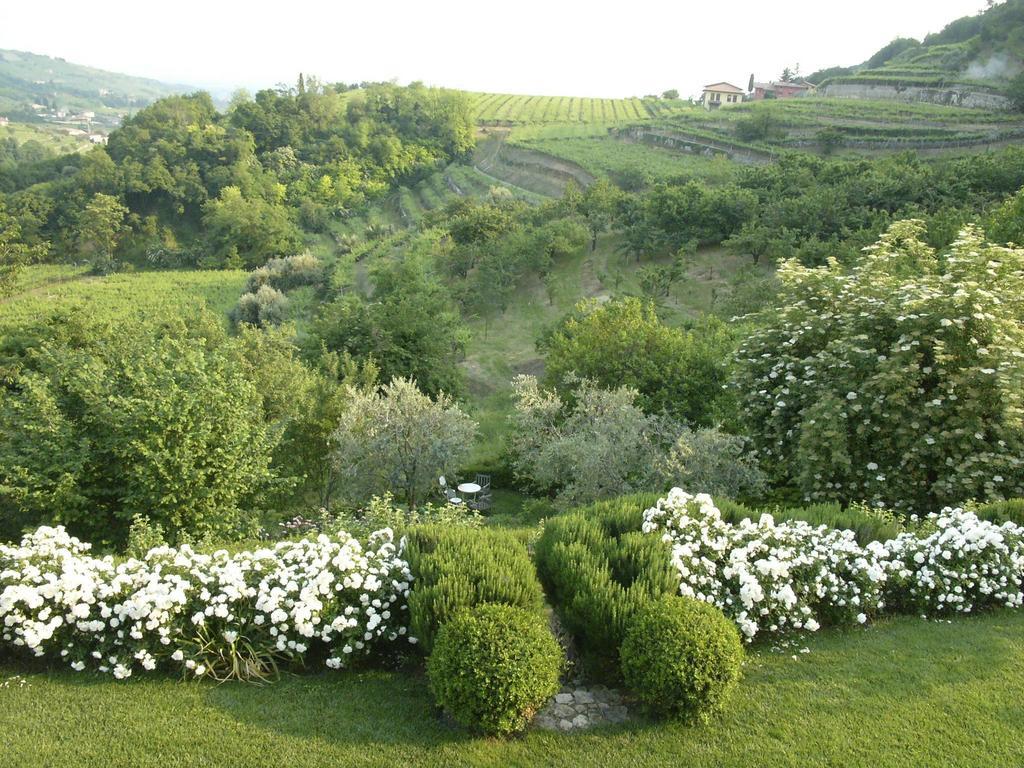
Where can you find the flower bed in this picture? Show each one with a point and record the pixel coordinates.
(773, 577)
(223, 615)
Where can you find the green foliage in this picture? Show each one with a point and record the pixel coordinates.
(398, 440)
(100, 228)
(1002, 511)
(493, 668)
(896, 381)
(411, 327)
(15, 254)
(250, 227)
(381, 512)
(263, 308)
(599, 446)
(154, 418)
(682, 658)
(623, 343)
(867, 524)
(143, 535)
(459, 568)
(1006, 224)
(599, 570)
(714, 461)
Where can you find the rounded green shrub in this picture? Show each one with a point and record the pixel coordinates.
(493, 667)
(682, 657)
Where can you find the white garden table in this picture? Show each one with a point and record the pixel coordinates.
(469, 488)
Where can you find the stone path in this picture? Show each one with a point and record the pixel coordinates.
(576, 708)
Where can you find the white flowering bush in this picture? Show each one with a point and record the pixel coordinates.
(222, 615)
(957, 564)
(897, 380)
(774, 577)
(768, 576)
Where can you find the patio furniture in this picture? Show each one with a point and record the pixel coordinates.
(449, 494)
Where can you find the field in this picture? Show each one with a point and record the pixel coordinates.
(47, 135)
(904, 692)
(508, 109)
(857, 126)
(47, 289)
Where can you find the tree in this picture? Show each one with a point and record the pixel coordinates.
(671, 94)
(600, 445)
(155, 418)
(399, 440)
(14, 253)
(100, 228)
(896, 381)
(258, 230)
(598, 206)
(623, 343)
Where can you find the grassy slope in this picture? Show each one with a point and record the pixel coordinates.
(903, 693)
(48, 135)
(44, 289)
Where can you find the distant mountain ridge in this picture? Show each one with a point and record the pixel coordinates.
(30, 78)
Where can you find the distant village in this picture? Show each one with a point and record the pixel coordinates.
(83, 124)
(724, 94)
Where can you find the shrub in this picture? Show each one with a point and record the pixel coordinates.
(286, 273)
(160, 418)
(682, 658)
(399, 440)
(1001, 511)
(772, 577)
(601, 445)
(144, 535)
(623, 343)
(866, 523)
(599, 570)
(886, 382)
(264, 308)
(494, 667)
(220, 615)
(711, 460)
(459, 568)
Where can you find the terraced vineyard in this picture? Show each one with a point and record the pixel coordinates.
(510, 109)
(855, 126)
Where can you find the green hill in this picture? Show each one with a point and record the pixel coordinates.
(970, 62)
(29, 78)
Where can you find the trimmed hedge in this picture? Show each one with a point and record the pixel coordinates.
(458, 568)
(494, 667)
(682, 658)
(599, 569)
(998, 512)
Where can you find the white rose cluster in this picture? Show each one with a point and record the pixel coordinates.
(775, 577)
(204, 613)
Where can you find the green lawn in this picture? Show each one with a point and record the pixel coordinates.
(903, 693)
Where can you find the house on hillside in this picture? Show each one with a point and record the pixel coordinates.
(4, 121)
(785, 90)
(720, 94)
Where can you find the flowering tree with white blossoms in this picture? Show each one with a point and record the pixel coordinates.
(898, 381)
(217, 614)
(774, 577)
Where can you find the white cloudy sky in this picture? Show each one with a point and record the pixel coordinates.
(554, 47)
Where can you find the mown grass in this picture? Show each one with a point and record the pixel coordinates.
(905, 692)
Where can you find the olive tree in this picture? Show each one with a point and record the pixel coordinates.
(897, 380)
(600, 445)
(399, 440)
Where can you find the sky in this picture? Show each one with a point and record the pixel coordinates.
(549, 47)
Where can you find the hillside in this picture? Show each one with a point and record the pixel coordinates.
(970, 63)
(58, 85)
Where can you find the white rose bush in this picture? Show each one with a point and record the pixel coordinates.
(773, 577)
(220, 615)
